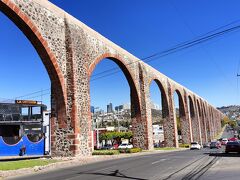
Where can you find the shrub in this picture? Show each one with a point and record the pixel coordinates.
(105, 152)
(132, 150)
(135, 150)
(184, 145)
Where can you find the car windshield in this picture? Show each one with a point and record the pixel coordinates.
(213, 143)
(194, 143)
(123, 144)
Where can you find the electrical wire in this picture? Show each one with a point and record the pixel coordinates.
(179, 47)
(32, 93)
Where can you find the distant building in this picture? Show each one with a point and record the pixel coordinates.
(92, 109)
(158, 135)
(119, 108)
(109, 108)
(155, 106)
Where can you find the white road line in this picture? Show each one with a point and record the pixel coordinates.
(161, 160)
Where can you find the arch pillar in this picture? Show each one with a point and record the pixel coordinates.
(197, 122)
(170, 127)
(202, 123)
(205, 123)
(141, 120)
(186, 125)
(211, 124)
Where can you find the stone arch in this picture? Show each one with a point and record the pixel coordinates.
(181, 103)
(127, 72)
(165, 108)
(33, 34)
(164, 99)
(138, 127)
(195, 121)
(191, 107)
(184, 127)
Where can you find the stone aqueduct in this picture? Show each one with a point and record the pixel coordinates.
(70, 50)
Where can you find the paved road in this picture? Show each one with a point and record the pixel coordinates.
(188, 164)
(228, 133)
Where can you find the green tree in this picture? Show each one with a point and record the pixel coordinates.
(225, 121)
(232, 123)
(178, 125)
(115, 136)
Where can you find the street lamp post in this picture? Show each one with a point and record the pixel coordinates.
(118, 119)
(96, 118)
(97, 133)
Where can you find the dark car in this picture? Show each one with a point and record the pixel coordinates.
(232, 146)
(107, 146)
(206, 145)
(215, 144)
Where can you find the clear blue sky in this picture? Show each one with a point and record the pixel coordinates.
(142, 28)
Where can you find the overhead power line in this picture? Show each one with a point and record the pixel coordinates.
(37, 92)
(179, 47)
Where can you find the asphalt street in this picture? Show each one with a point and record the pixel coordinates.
(187, 164)
(180, 165)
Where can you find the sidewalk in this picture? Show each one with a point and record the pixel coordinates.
(225, 168)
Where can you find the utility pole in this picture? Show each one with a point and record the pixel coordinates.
(97, 133)
(118, 119)
(95, 108)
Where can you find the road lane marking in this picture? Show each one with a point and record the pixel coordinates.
(161, 160)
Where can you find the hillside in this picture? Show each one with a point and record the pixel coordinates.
(232, 111)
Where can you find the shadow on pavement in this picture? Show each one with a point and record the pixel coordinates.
(115, 173)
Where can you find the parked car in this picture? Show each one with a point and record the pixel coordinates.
(195, 145)
(125, 146)
(224, 141)
(232, 146)
(115, 146)
(233, 139)
(107, 146)
(206, 145)
(215, 144)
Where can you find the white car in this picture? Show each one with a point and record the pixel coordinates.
(224, 141)
(195, 145)
(125, 146)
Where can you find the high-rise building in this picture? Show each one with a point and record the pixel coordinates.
(92, 109)
(109, 108)
(119, 108)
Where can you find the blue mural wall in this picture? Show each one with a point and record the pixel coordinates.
(32, 148)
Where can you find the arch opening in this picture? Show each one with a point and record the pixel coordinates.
(159, 112)
(191, 107)
(54, 89)
(116, 102)
(179, 115)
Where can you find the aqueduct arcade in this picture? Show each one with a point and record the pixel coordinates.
(70, 50)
